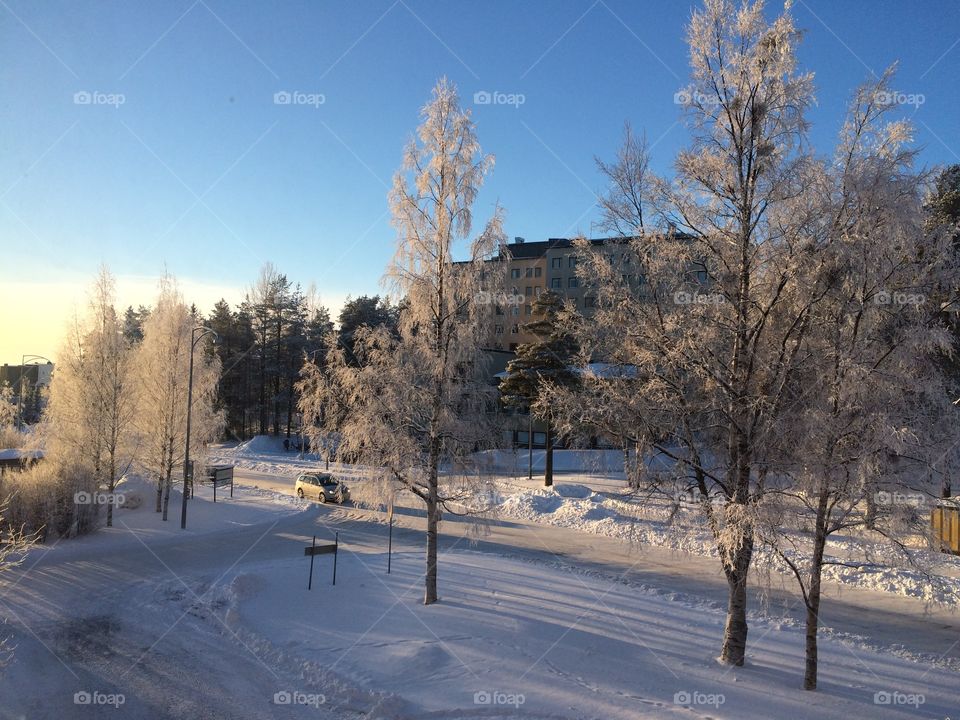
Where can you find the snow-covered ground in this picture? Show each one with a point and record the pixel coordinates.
(550, 615)
(515, 638)
(591, 496)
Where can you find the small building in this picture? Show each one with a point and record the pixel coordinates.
(945, 521)
(16, 459)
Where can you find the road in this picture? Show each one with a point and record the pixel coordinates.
(142, 618)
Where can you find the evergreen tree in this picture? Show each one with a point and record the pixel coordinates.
(548, 359)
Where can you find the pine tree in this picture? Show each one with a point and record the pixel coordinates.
(547, 360)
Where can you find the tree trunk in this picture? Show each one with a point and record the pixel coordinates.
(159, 493)
(813, 596)
(810, 674)
(111, 486)
(430, 593)
(548, 472)
(166, 492)
(734, 648)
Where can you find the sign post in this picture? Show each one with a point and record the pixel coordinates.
(336, 546)
(389, 534)
(314, 549)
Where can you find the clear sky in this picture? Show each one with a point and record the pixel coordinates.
(147, 135)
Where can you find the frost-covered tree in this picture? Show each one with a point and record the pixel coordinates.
(419, 400)
(709, 313)
(8, 407)
(92, 396)
(868, 412)
(162, 363)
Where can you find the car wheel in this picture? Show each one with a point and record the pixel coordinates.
(300, 493)
(322, 497)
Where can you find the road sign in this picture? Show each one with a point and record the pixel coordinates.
(329, 548)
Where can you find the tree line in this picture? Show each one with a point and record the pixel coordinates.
(262, 345)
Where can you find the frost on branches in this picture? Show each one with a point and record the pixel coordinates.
(414, 404)
(163, 361)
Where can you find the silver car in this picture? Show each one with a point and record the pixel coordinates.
(322, 487)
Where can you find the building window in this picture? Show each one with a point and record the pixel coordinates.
(539, 438)
(523, 437)
(527, 310)
(537, 290)
(573, 282)
(515, 329)
(529, 291)
(499, 329)
(499, 310)
(514, 273)
(702, 275)
(572, 262)
(529, 272)
(537, 272)
(556, 262)
(515, 310)
(556, 283)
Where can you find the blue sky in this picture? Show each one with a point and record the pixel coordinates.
(200, 172)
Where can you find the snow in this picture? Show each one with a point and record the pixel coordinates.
(577, 507)
(544, 641)
(591, 496)
(216, 621)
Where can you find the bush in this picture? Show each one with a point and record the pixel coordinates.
(10, 437)
(41, 501)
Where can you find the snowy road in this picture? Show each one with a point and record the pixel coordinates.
(153, 617)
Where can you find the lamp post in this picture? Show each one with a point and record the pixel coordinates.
(23, 365)
(187, 473)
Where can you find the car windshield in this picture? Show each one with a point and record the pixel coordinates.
(327, 480)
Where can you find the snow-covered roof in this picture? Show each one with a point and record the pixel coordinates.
(607, 371)
(17, 454)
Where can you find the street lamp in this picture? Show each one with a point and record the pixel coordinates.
(23, 365)
(187, 483)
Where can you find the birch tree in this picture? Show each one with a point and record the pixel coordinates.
(92, 395)
(869, 413)
(163, 360)
(709, 313)
(418, 401)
